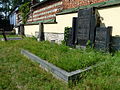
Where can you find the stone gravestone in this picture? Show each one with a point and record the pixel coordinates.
(115, 43)
(41, 32)
(68, 36)
(21, 27)
(86, 24)
(103, 38)
(71, 34)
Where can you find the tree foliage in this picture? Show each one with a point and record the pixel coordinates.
(24, 10)
(7, 5)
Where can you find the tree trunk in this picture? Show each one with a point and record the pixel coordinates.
(3, 33)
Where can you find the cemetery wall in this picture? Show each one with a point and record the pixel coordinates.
(16, 30)
(62, 22)
(55, 32)
(54, 37)
(30, 30)
(110, 17)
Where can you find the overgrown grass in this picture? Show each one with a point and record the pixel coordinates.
(19, 73)
(105, 77)
(64, 57)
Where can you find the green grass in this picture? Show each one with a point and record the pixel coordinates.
(64, 57)
(19, 73)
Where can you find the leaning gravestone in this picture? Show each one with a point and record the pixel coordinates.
(103, 38)
(86, 24)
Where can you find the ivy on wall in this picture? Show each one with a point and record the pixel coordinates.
(24, 10)
(66, 34)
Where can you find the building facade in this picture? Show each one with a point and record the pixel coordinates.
(45, 10)
(109, 12)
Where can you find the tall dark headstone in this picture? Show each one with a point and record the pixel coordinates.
(70, 33)
(103, 38)
(21, 29)
(41, 32)
(86, 24)
(74, 33)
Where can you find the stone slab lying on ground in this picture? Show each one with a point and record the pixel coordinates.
(11, 38)
(56, 71)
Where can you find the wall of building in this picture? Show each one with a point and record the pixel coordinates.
(45, 11)
(76, 3)
(30, 30)
(111, 17)
(55, 32)
(62, 22)
(12, 19)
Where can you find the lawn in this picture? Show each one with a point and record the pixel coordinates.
(65, 57)
(19, 73)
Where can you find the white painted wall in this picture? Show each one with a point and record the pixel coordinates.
(31, 29)
(111, 17)
(16, 30)
(62, 22)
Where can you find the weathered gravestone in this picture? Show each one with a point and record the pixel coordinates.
(86, 25)
(41, 32)
(70, 33)
(68, 36)
(115, 43)
(21, 29)
(103, 38)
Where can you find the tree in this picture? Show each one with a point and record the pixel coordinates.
(7, 5)
(1, 27)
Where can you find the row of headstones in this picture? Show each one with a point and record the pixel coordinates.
(86, 27)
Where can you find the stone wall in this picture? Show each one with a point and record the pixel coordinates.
(54, 37)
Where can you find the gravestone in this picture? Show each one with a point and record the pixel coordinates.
(74, 33)
(68, 36)
(86, 24)
(71, 33)
(41, 32)
(103, 38)
(21, 29)
(115, 43)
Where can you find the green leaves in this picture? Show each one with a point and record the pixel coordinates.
(24, 10)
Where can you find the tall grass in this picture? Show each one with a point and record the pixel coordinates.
(19, 73)
(64, 57)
